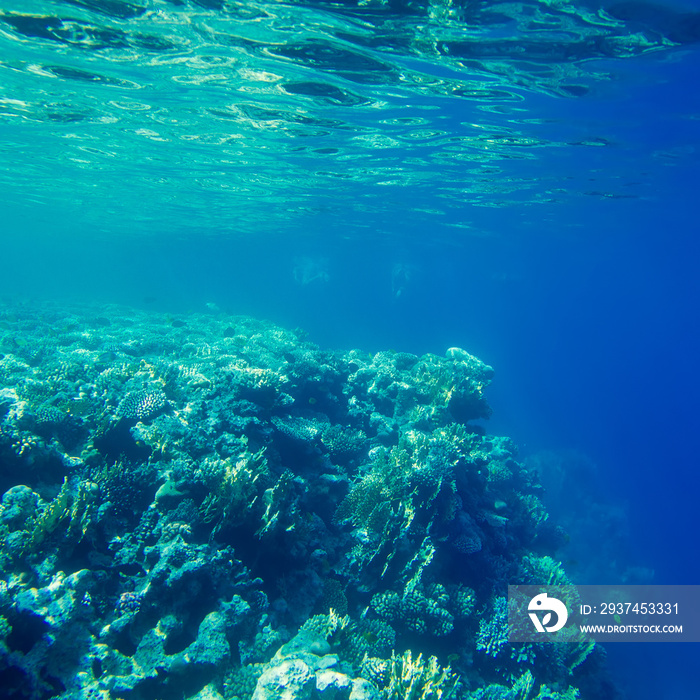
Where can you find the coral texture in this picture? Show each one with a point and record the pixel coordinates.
(209, 506)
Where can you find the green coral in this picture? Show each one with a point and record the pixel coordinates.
(414, 612)
(325, 626)
(250, 382)
(240, 683)
(354, 641)
(299, 428)
(415, 477)
(128, 487)
(544, 571)
(376, 670)
(5, 628)
(533, 507)
(279, 507)
(262, 647)
(416, 470)
(142, 405)
(372, 638)
(343, 444)
(522, 689)
(334, 597)
(369, 502)
(425, 608)
(233, 487)
(492, 639)
(547, 693)
(462, 601)
(450, 390)
(428, 391)
(561, 658)
(492, 636)
(414, 679)
(70, 514)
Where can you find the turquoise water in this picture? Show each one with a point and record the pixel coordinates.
(219, 115)
(515, 178)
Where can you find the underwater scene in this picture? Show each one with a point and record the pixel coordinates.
(322, 323)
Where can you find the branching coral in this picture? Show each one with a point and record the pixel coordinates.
(233, 488)
(414, 679)
(69, 514)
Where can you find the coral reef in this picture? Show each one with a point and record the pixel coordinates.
(209, 506)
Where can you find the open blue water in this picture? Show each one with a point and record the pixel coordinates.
(520, 179)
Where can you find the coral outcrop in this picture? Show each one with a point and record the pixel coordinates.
(209, 506)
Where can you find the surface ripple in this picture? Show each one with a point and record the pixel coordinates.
(317, 105)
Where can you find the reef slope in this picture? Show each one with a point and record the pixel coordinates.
(209, 506)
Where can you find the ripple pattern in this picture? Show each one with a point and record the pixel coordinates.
(233, 111)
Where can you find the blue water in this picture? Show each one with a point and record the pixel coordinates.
(520, 180)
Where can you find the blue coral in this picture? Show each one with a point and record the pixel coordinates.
(493, 631)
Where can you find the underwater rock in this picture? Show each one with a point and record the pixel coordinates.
(333, 685)
(292, 679)
(51, 634)
(304, 668)
(18, 505)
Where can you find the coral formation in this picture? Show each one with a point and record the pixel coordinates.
(142, 405)
(212, 507)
